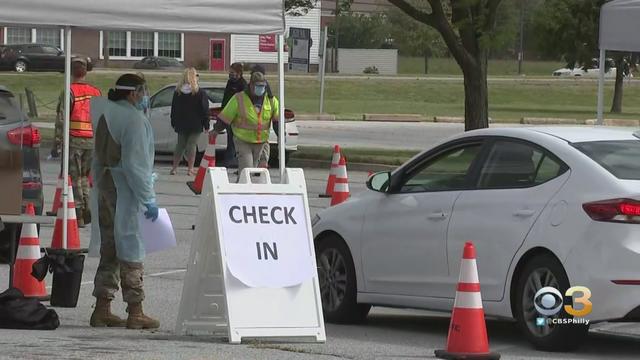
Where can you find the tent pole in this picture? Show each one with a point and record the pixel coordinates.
(600, 120)
(323, 66)
(281, 124)
(65, 152)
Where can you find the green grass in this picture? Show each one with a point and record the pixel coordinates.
(349, 98)
(356, 155)
(444, 66)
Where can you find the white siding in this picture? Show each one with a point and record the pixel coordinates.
(244, 48)
(354, 61)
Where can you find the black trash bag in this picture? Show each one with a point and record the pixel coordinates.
(18, 312)
(67, 270)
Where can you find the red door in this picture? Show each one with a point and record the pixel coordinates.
(217, 55)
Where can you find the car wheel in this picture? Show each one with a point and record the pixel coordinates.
(337, 277)
(20, 66)
(274, 158)
(545, 271)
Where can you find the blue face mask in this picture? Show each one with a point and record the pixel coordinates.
(143, 104)
(260, 89)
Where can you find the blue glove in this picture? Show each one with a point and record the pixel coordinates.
(152, 211)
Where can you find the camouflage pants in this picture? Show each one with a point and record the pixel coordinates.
(79, 170)
(111, 270)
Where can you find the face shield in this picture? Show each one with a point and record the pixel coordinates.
(141, 94)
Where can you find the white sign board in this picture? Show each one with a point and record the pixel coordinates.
(252, 269)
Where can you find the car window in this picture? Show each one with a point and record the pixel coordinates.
(8, 108)
(163, 98)
(33, 50)
(49, 50)
(619, 157)
(448, 171)
(514, 165)
(215, 95)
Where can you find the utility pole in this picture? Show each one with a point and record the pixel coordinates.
(521, 51)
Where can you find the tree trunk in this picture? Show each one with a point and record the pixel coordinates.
(476, 95)
(105, 51)
(616, 107)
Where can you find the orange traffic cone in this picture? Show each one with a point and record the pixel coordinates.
(468, 332)
(335, 162)
(341, 188)
(57, 197)
(73, 234)
(28, 253)
(208, 160)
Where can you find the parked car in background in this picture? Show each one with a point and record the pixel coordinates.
(166, 138)
(17, 134)
(35, 57)
(158, 63)
(592, 70)
(520, 195)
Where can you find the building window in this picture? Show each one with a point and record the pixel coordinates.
(141, 44)
(170, 45)
(48, 37)
(117, 43)
(18, 35)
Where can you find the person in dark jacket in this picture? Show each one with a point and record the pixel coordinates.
(259, 68)
(235, 84)
(189, 118)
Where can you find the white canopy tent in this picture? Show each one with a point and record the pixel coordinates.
(222, 16)
(619, 29)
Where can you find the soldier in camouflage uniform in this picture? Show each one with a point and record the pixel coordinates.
(80, 137)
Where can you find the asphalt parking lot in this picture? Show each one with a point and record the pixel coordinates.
(387, 334)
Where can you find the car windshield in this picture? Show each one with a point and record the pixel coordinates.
(215, 95)
(619, 157)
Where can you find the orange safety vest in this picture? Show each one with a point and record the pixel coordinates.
(80, 118)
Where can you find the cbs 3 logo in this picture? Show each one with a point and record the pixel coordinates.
(548, 301)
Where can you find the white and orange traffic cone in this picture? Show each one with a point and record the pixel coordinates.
(73, 234)
(335, 162)
(28, 253)
(341, 188)
(57, 197)
(208, 160)
(468, 332)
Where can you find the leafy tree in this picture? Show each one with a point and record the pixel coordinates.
(359, 31)
(569, 29)
(468, 29)
(413, 38)
(298, 7)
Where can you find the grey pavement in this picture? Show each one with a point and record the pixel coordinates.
(387, 334)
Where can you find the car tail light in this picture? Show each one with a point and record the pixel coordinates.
(27, 136)
(289, 115)
(31, 186)
(616, 210)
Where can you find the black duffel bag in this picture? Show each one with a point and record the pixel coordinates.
(18, 312)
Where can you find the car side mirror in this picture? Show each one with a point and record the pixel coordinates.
(379, 181)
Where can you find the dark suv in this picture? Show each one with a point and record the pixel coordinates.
(17, 132)
(33, 57)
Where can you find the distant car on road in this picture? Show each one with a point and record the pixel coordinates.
(546, 207)
(16, 133)
(592, 71)
(166, 138)
(35, 57)
(159, 63)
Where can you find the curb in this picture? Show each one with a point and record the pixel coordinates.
(394, 117)
(315, 117)
(549, 121)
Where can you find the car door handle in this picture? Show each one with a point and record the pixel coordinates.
(524, 213)
(440, 215)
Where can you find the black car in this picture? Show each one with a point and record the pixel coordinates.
(159, 63)
(17, 132)
(34, 57)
